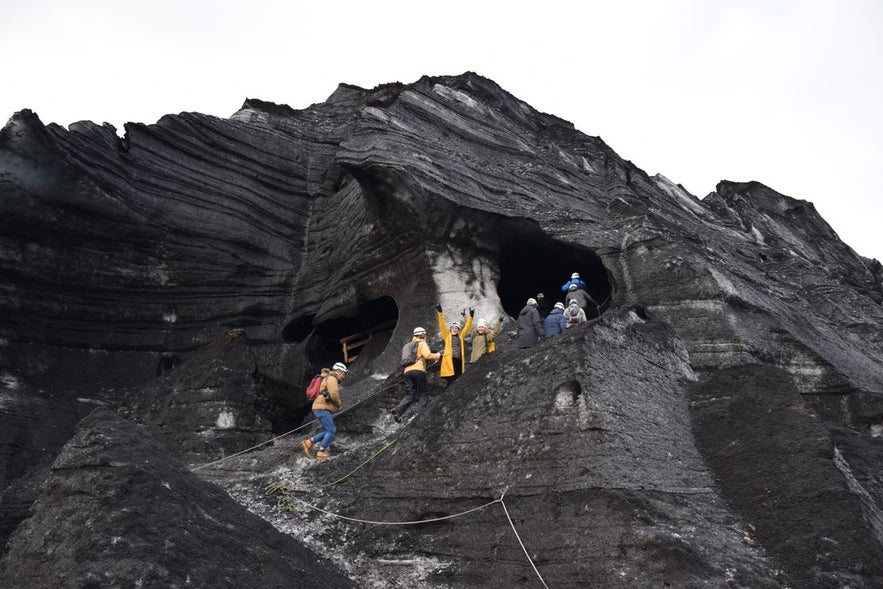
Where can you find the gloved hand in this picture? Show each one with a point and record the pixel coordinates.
(438, 307)
(463, 313)
(472, 311)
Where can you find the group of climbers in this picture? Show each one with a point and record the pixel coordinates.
(537, 320)
(453, 356)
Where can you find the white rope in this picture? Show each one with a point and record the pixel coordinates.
(529, 559)
(368, 398)
(436, 519)
(220, 460)
(409, 523)
(252, 448)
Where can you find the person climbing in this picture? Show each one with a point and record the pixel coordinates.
(543, 306)
(483, 339)
(530, 327)
(555, 323)
(324, 405)
(574, 279)
(453, 361)
(574, 315)
(581, 297)
(415, 374)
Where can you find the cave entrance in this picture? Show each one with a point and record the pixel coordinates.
(533, 263)
(362, 335)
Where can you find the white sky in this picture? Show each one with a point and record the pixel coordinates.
(786, 92)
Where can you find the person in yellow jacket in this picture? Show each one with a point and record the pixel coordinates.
(453, 361)
(483, 339)
(326, 403)
(415, 374)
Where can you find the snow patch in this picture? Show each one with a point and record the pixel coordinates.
(588, 167)
(160, 274)
(170, 317)
(872, 513)
(724, 282)
(10, 381)
(456, 95)
(226, 420)
(91, 401)
(681, 196)
(758, 236)
(464, 282)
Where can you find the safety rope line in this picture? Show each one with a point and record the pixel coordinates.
(431, 520)
(285, 489)
(518, 536)
(406, 523)
(302, 426)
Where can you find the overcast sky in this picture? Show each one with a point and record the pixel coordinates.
(788, 93)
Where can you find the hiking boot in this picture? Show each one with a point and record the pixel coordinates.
(307, 445)
(322, 454)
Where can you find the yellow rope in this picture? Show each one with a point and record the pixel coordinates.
(285, 490)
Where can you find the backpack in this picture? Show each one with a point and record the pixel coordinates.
(409, 353)
(572, 315)
(315, 386)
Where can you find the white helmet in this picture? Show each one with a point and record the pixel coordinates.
(419, 331)
(339, 366)
(574, 276)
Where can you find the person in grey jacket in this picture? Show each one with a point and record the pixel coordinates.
(530, 327)
(555, 323)
(581, 297)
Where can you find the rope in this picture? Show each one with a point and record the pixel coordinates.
(252, 448)
(423, 521)
(285, 490)
(347, 475)
(529, 559)
(368, 398)
(406, 523)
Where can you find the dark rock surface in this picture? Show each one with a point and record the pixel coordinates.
(118, 510)
(740, 337)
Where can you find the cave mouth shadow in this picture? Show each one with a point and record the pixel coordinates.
(534, 263)
(369, 325)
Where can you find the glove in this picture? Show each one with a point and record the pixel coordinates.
(472, 311)
(463, 313)
(438, 307)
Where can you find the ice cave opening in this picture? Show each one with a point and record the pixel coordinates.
(357, 337)
(534, 263)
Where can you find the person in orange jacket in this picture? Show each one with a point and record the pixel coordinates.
(453, 361)
(326, 403)
(415, 374)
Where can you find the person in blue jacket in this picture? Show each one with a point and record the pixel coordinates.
(555, 323)
(574, 279)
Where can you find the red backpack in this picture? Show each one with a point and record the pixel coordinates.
(315, 386)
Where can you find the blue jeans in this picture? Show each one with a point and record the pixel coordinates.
(325, 436)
